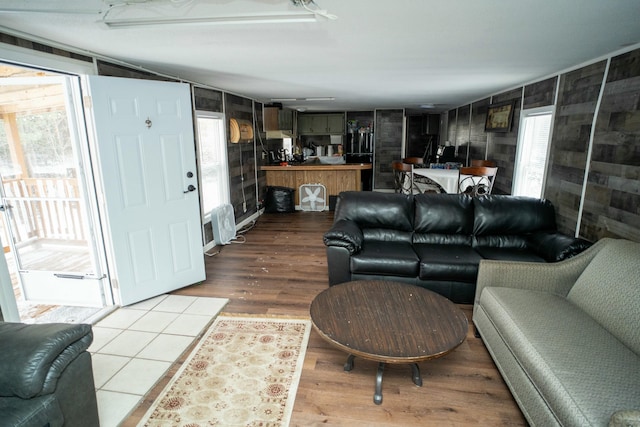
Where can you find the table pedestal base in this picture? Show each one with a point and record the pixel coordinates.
(377, 395)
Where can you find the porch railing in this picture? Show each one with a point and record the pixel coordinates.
(44, 208)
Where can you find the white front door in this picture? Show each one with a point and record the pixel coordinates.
(146, 156)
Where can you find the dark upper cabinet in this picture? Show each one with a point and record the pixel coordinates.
(321, 124)
(276, 119)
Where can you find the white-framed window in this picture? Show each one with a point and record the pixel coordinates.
(532, 153)
(212, 162)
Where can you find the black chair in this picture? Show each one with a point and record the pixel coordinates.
(46, 378)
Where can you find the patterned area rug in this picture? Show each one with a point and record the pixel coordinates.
(244, 372)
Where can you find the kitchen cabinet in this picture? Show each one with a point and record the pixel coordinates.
(321, 124)
(335, 123)
(277, 119)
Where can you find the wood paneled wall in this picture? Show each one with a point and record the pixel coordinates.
(40, 47)
(608, 205)
(577, 97)
(502, 145)
(477, 136)
(462, 132)
(612, 197)
(262, 145)
(540, 94)
(452, 128)
(242, 159)
(116, 70)
(208, 99)
(388, 146)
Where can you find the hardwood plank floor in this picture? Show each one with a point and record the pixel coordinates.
(278, 270)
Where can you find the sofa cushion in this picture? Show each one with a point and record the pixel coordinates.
(376, 210)
(386, 235)
(609, 291)
(447, 262)
(583, 372)
(385, 258)
(443, 214)
(512, 215)
(509, 254)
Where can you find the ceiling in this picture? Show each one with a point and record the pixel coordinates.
(376, 54)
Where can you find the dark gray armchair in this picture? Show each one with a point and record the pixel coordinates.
(46, 377)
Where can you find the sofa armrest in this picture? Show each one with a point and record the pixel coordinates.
(34, 356)
(345, 234)
(557, 278)
(554, 247)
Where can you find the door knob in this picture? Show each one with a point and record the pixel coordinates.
(3, 208)
(190, 188)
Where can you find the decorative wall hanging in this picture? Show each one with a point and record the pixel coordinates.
(499, 117)
(240, 130)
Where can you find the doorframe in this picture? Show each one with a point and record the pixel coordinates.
(28, 58)
(93, 295)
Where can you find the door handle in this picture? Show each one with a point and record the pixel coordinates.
(3, 208)
(190, 188)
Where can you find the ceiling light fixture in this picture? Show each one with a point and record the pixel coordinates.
(217, 20)
(305, 4)
(309, 15)
(53, 10)
(328, 98)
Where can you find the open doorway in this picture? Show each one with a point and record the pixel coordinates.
(47, 227)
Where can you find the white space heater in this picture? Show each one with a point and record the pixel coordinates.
(223, 224)
(313, 197)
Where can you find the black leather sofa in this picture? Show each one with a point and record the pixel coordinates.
(437, 240)
(45, 376)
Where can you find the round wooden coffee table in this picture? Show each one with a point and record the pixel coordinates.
(388, 322)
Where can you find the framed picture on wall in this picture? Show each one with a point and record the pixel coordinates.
(499, 117)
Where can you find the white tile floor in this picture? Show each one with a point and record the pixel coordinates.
(134, 346)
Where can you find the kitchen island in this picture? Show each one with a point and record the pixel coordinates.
(336, 178)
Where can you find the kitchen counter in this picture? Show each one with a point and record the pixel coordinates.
(336, 178)
(318, 166)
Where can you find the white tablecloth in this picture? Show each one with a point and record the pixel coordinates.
(447, 178)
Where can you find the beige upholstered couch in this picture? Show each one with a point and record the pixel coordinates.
(566, 336)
